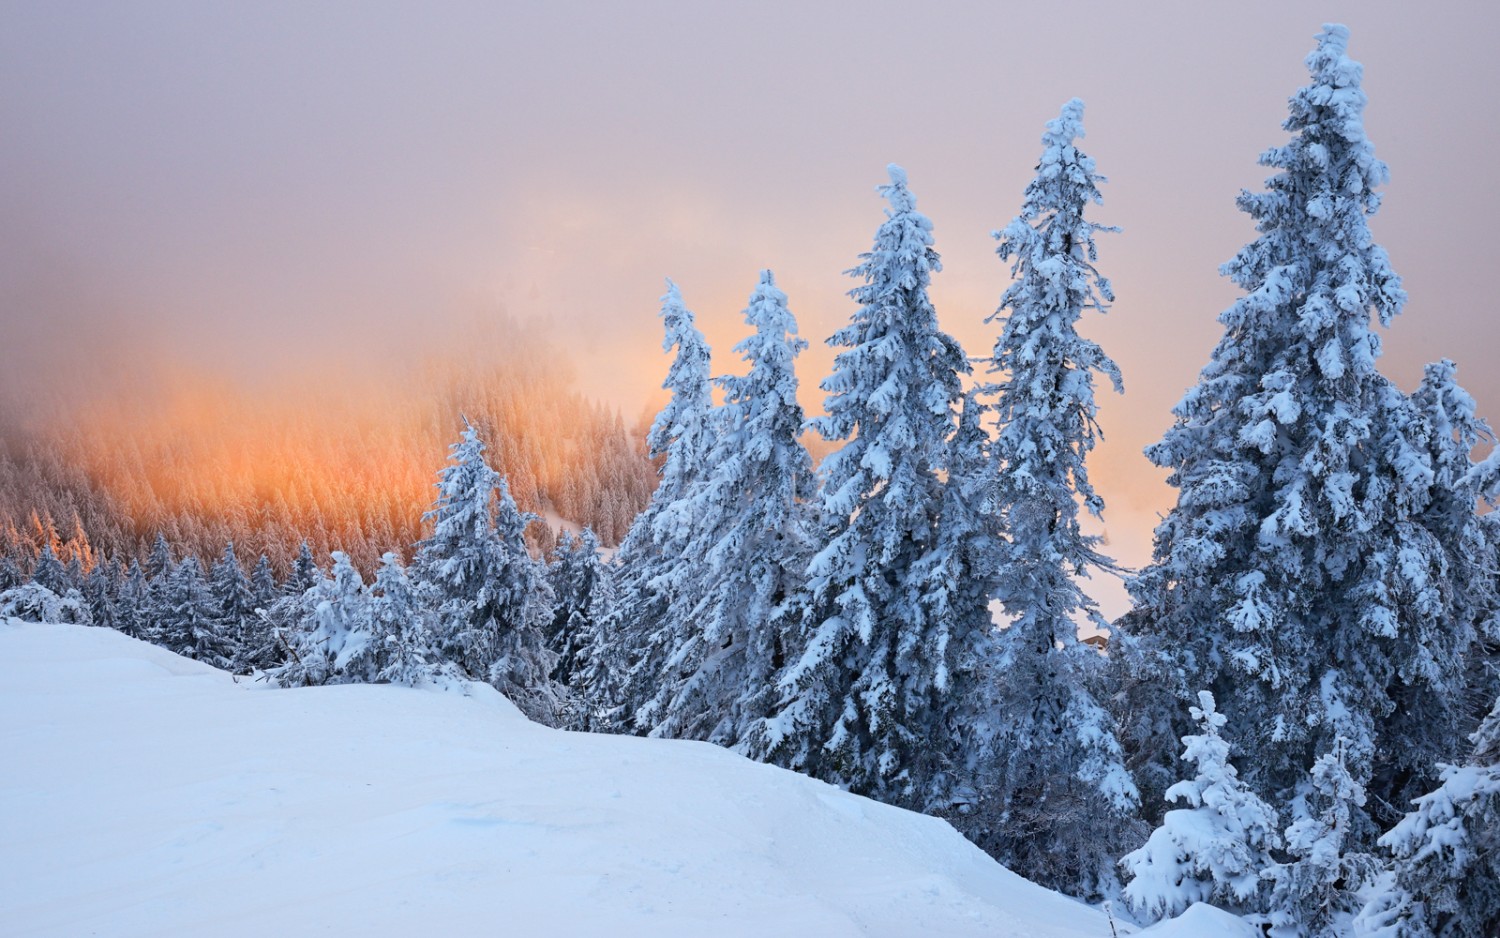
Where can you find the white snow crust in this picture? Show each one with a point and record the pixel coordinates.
(147, 794)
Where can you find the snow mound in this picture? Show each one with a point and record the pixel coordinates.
(1202, 921)
(148, 794)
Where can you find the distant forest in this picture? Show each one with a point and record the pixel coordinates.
(208, 466)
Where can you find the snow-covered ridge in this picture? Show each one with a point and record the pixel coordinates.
(144, 793)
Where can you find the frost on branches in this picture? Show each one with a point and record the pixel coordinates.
(1216, 849)
(865, 693)
(655, 566)
(1447, 854)
(584, 599)
(1300, 575)
(750, 542)
(493, 598)
(1055, 799)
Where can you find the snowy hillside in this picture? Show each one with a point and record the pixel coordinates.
(144, 793)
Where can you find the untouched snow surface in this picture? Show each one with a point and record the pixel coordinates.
(143, 793)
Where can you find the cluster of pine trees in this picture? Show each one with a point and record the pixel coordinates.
(1298, 721)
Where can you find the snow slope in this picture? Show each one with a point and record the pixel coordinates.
(143, 793)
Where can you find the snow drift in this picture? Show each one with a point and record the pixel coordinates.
(145, 793)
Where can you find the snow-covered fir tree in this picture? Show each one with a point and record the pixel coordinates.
(1301, 576)
(49, 572)
(954, 583)
(132, 601)
(333, 631)
(1445, 553)
(1317, 893)
(748, 543)
(100, 592)
(492, 598)
(1058, 801)
(1446, 882)
(185, 617)
(10, 574)
(402, 647)
(654, 565)
(582, 595)
(865, 692)
(263, 587)
(234, 605)
(1217, 848)
(159, 560)
(304, 574)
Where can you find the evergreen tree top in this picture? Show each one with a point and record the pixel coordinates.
(898, 378)
(1046, 408)
(687, 378)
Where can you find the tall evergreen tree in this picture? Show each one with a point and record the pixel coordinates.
(954, 583)
(1299, 576)
(1061, 803)
(654, 564)
(159, 561)
(748, 543)
(866, 690)
(10, 574)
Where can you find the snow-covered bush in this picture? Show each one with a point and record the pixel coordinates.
(35, 603)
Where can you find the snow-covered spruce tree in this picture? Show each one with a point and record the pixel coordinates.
(304, 574)
(583, 597)
(49, 572)
(1446, 882)
(493, 599)
(654, 565)
(954, 582)
(1290, 578)
(866, 690)
(159, 560)
(402, 649)
(101, 590)
(234, 606)
(261, 649)
(186, 621)
(334, 630)
(1317, 893)
(599, 670)
(748, 543)
(263, 588)
(1058, 801)
(1446, 552)
(131, 602)
(10, 574)
(579, 581)
(1216, 849)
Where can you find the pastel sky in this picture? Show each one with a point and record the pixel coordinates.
(270, 192)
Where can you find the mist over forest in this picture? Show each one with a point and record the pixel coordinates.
(342, 462)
